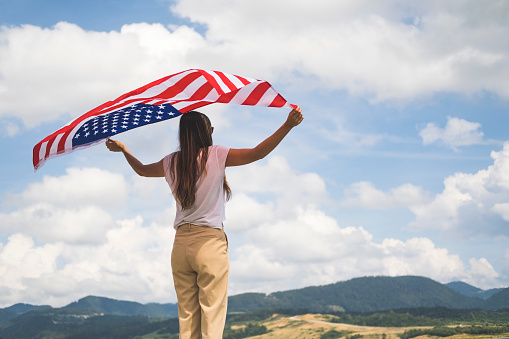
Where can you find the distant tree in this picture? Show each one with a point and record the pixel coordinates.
(333, 334)
(249, 331)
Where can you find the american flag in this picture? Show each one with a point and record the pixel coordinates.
(159, 100)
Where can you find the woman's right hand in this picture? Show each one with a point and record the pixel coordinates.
(115, 145)
(295, 117)
(238, 157)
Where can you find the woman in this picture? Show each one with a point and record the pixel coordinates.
(196, 176)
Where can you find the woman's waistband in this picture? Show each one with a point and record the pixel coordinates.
(189, 227)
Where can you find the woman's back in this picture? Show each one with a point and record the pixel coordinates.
(208, 208)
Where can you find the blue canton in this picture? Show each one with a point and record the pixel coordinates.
(121, 120)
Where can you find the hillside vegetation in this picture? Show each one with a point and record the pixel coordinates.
(405, 303)
(369, 294)
(268, 323)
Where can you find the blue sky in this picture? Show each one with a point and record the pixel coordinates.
(399, 168)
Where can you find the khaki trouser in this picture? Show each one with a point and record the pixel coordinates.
(200, 265)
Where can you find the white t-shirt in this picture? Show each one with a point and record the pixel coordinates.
(208, 209)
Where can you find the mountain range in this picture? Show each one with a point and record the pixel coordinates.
(367, 294)
(370, 294)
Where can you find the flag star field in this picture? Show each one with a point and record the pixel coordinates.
(106, 125)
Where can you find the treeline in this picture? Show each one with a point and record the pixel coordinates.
(425, 316)
(263, 314)
(443, 331)
(334, 334)
(248, 322)
(36, 325)
(250, 330)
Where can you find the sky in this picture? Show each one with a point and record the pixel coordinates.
(400, 167)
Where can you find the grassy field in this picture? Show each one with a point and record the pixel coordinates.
(311, 326)
(317, 326)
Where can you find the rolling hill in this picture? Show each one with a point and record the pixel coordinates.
(472, 291)
(117, 307)
(366, 294)
(499, 301)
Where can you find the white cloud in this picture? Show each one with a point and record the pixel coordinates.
(70, 208)
(387, 51)
(47, 223)
(9, 128)
(470, 203)
(336, 131)
(311, 249)
(502, 209)
(365, 194)
(287, 240)
(277, 177)
(457, 132)
(20, 259)
(482, 273)
(419, 256)
(67, 70)
(65, 243)
(244, 212)
(79, 186)
(132, 264)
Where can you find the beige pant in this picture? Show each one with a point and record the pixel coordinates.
(200, 266)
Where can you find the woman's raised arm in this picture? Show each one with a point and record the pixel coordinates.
(151, 170)
(238, 157)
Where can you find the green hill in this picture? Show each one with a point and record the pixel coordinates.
(366, 294)
(366, 297)
(13, 311)
(472, 291)
(109, 306)
(6, 315)
(498, 301)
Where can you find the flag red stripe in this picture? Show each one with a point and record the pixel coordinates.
(194, 106)
(278, 101)
(227, 97)
(48, 146)
(227, 81)
(212, 81)
(35, 156)
(243, 80)
(180, 85)
(256, 94)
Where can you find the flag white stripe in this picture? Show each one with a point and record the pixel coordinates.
(183, 105)
(267, 97)
(190, 89)
(236, 81)
(158, 89)
(42, 150)
(243, 93)
(220, 82)
(54, 146)
(248, 79)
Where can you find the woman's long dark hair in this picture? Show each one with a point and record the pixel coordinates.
(189, 163)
